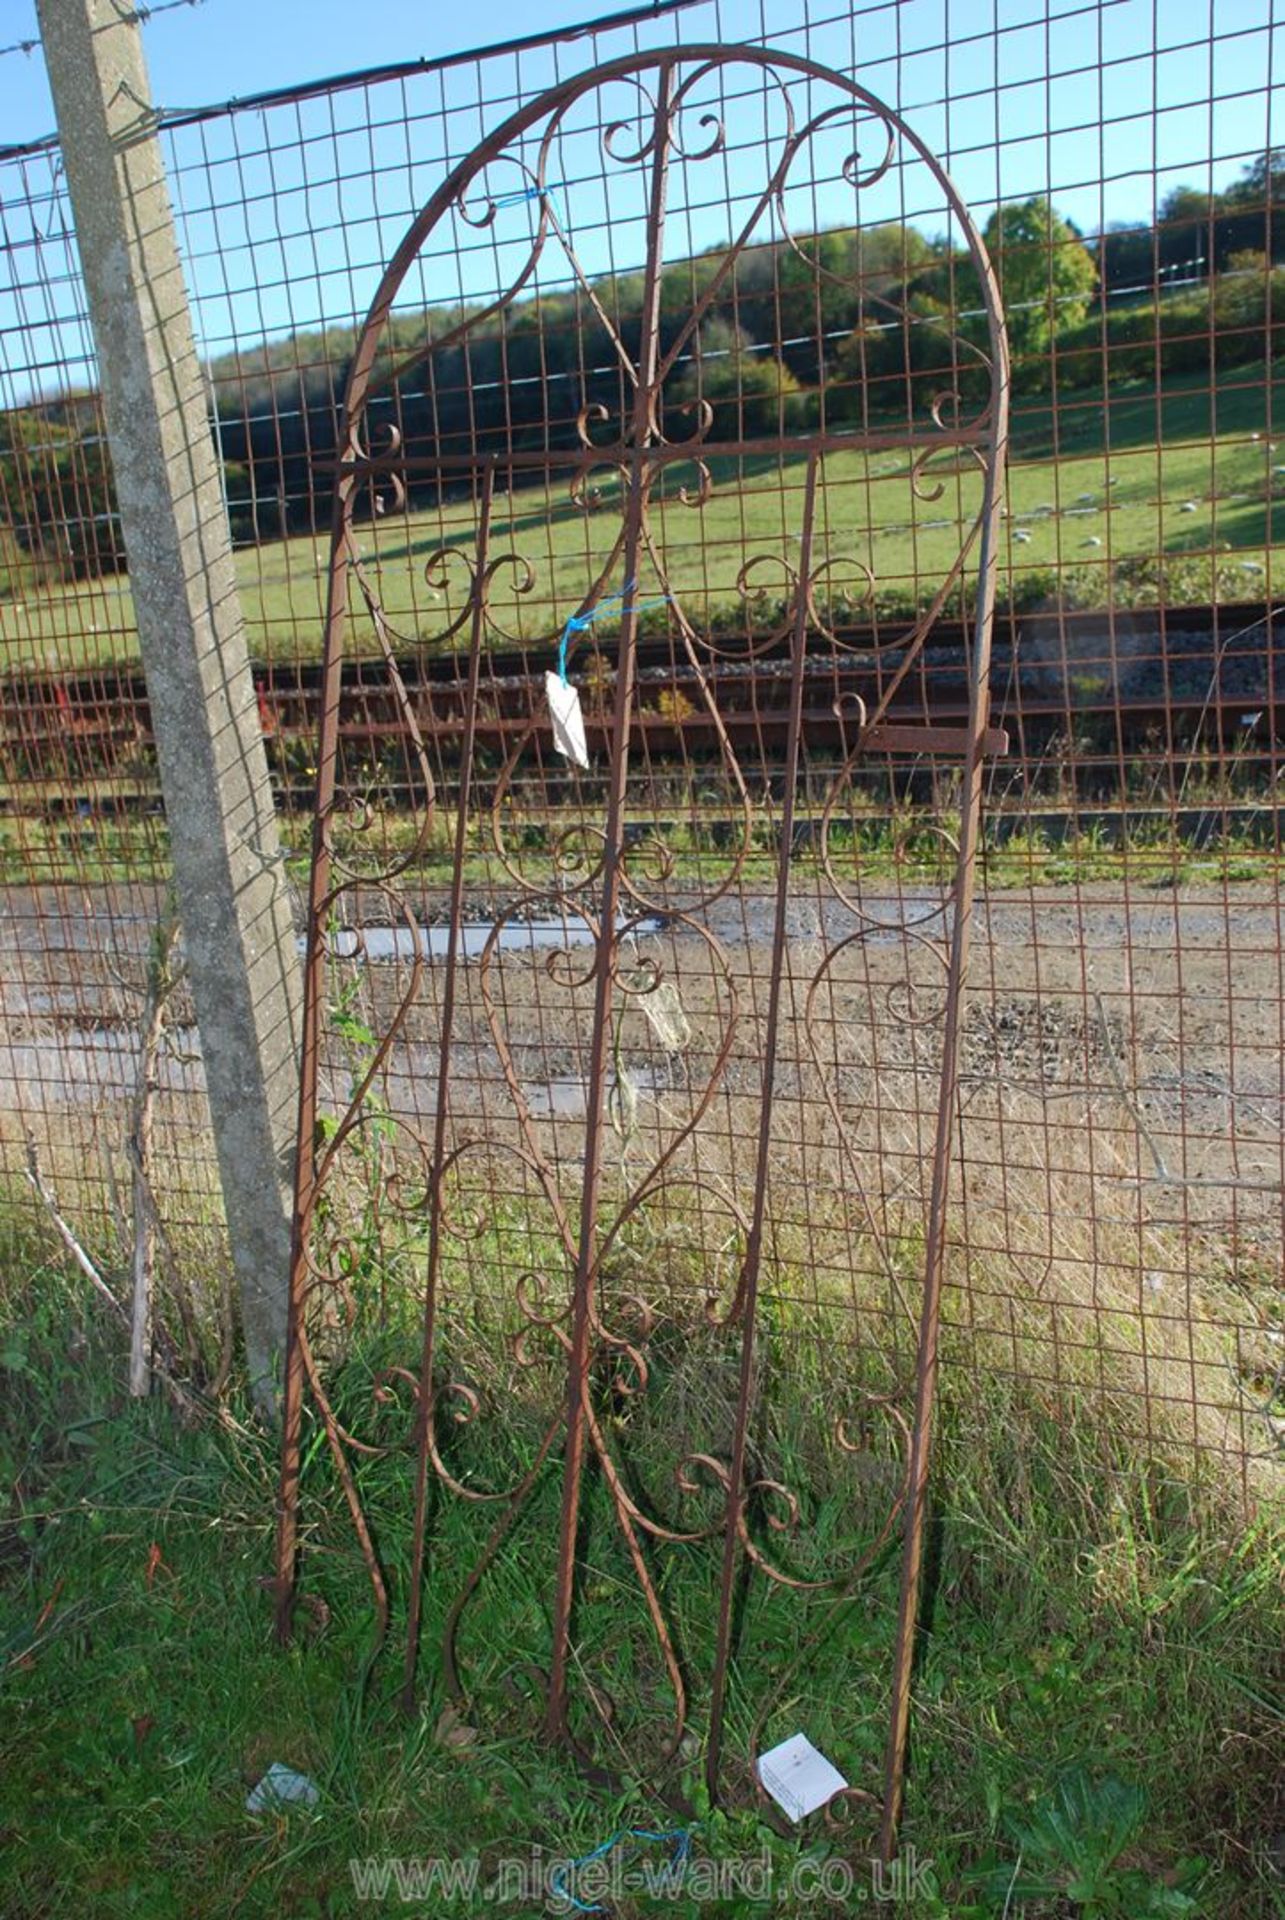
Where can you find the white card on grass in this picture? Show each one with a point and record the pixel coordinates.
(568, 721)
(799, 1777)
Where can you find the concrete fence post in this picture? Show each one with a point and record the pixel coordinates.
(232, 891)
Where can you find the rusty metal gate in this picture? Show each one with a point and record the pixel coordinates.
(629, 1067)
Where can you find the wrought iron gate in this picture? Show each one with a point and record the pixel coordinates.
(651, 1061)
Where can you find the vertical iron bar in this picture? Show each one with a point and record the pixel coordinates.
(935, 1246)
(581, 1325)
(424, 1405)
(754, 1243)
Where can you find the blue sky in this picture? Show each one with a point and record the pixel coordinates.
(1104, 104)
(219, 49)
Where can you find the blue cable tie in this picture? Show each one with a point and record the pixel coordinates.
(580, 622)
(525, 193)
(681, 1836)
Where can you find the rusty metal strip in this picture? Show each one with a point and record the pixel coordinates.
(949, 742)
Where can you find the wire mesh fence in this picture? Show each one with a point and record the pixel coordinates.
(1119, 1168)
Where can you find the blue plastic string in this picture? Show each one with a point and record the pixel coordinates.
(680, 1836)
(579, 622)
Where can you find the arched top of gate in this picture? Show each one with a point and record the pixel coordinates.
(678, 109)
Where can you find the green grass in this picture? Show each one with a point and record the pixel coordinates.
(1232, 846)
(45, 853)
(1083, 1611)
(1216, 824)
(1148, 547)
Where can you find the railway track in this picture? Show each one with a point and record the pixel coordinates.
(1099, 690)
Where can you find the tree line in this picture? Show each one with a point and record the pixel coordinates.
(841, 329)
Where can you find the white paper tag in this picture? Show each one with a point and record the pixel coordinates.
(799, 1777)
(568, 721)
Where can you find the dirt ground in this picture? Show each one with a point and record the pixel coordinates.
(1119, 1146)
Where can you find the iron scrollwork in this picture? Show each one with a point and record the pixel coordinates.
(584, 1311)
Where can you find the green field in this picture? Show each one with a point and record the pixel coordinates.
(1176, 496)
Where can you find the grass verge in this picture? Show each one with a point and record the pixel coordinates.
(1090, 1618)
(1221, 842)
